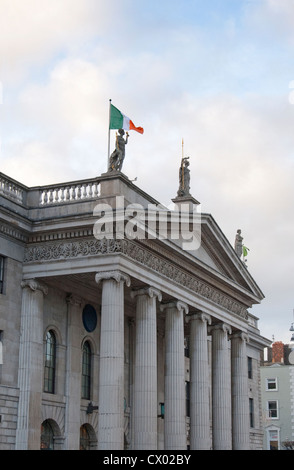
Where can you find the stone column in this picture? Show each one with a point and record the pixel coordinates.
(73, 372)
(175, 400)
(30, 373)
(240, 399)
(145, 373)
(199, 382)
(111, 372)
(221, 388)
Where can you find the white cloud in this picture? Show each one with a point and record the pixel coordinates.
(32, 31)
(177, 81)
(275, 18)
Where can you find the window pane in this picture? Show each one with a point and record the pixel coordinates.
(251, 412)
(84, 438)
(50, 359)
(1, 274)
(86, 371)
(249, 367)
(271, 384)
(272, 409)
(47, 436)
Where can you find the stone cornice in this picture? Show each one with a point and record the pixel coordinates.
(11, 231)
(63, 250)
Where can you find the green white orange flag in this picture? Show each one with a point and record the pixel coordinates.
(117, 120)
(245, 250)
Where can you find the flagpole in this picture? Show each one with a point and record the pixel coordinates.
(108, 135)
(182, 164)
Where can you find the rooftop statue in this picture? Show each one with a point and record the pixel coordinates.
(184, 178)
(238, 243)
(118, 155)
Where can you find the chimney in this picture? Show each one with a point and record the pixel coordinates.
(278, 352)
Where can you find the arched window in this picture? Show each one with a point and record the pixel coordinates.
(86, 371)
(50, 362)
(47, 436)
(85, 440)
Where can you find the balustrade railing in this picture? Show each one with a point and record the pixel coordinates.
(49, 195)
(12, 189)
(69, 192)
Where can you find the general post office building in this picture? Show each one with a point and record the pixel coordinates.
(122, 341)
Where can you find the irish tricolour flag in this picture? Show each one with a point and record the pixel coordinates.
(117, 120)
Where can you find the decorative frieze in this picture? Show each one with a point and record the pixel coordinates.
(91, 247)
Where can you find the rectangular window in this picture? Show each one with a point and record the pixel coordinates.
(251, 412)
(86, 371)
(249, 361)
(1, 274)
(50, 362)
(271, 384)
(187, 384)
(272, 409)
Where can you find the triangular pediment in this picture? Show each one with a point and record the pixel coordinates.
(218, 253)
(216, 262)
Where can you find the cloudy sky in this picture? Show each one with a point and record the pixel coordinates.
(217, 73)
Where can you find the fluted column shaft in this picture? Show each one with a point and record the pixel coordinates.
(240, 400)
(111, 372)
(174, 402)
(221, 388)
(30, 374)
(145, 373)
(73, 373)
(199, 383)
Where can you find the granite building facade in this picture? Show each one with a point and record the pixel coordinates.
(123, 342)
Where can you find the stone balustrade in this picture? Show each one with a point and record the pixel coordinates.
(11, 189)
(69, 192)
(62, 193)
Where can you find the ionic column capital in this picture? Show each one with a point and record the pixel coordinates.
(117, 276)
(204, 317)
(221, 326)
(150, 291)
(240, 335)
(178, 304)
(34, 285)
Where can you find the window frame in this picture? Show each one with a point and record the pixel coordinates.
(269, 411)
(273, 380)
(251, 412)
(250, 367)
(86, 379)
(2, 273)
(50, 362)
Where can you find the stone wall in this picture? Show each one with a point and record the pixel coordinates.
(8, 417)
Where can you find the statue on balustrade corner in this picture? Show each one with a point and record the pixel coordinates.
(184, 178)
(117, 157)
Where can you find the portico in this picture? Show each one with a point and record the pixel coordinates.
(151, 297)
